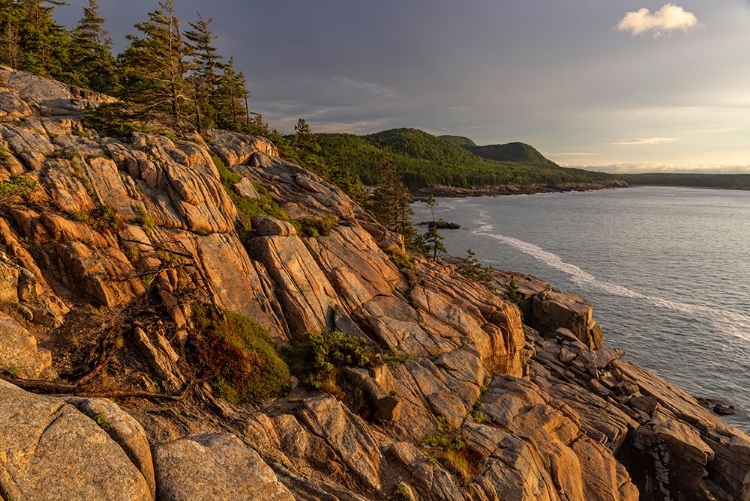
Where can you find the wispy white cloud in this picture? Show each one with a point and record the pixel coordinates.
(669, 18)
(569, 154)
(645, 140)
(355, 127)
(371, 87)
(653, 167)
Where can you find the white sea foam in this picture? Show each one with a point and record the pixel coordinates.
(730, 322)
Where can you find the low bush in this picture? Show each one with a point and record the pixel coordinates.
(111, 120)
(472, 269)
(239, 357)
(246, 207)
(18, 186)
(312, 227)
(145, 221)
(316, 359)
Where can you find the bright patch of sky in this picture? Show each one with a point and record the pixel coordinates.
(626, 85)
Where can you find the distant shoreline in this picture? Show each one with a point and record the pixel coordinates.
(513, 189)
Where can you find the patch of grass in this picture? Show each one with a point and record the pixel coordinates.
(64, 154)
(247, 208)
(312, 227)
(18, 187)
(145, 221)
(169, 258)
(393, 358)
(445, 441)
(476, 413)
(459, 462)
(13, 370)
(401, 493)
(133, 254)
(454, 454)
(102, 421)
(147, 279)
(406, 266)
(238, 355)
(101, 218)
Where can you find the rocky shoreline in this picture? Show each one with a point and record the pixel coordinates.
(512, 189)
(472, 397)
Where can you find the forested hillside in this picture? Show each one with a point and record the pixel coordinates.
(513, 152)
(730, 181)
(426, 160)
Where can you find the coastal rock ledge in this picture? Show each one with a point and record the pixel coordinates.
(106, 243)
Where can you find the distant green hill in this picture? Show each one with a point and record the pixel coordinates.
(459, 141)
(426, 160)
(731, 181)
(514, 152)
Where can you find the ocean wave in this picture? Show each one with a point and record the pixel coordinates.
(732, 323)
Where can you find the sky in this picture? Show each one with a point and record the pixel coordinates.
(613, 85)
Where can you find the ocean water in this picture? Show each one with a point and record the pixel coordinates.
(667, 271)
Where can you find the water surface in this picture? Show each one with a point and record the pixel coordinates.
(666, 269)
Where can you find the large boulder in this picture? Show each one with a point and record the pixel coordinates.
(19, 353)
(552, 310)
(214, 467)
(51, 451)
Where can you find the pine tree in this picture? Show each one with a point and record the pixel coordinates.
(432, 238)
(91, 52)
(205, 79)
(308, 149)
(258, 127)
(231, 94)
(390, 202)
(10, 33)
(154, 67)
(31, 38)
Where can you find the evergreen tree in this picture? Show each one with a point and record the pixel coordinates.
(31, 38)
(230, 98)
(390, 202)
(308, 148)
(10, 33)
(91, 54)
(432, 238)
(258, 127)
(154, 67)
(342, 175)
(206, 76)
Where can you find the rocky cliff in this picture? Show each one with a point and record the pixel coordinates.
(106, 246)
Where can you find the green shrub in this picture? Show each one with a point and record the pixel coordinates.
(312, 227)
(472, 269)
(238, 356)
(102, 421)
(18, 186)
(111, 120)
(512, 293)
(444, 441)
(454, 454)
(247, 208)
(145, 220)
(317, 359)
(101, 218)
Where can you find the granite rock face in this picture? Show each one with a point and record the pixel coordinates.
(51, 451)
(212, 467)
(468, 404)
